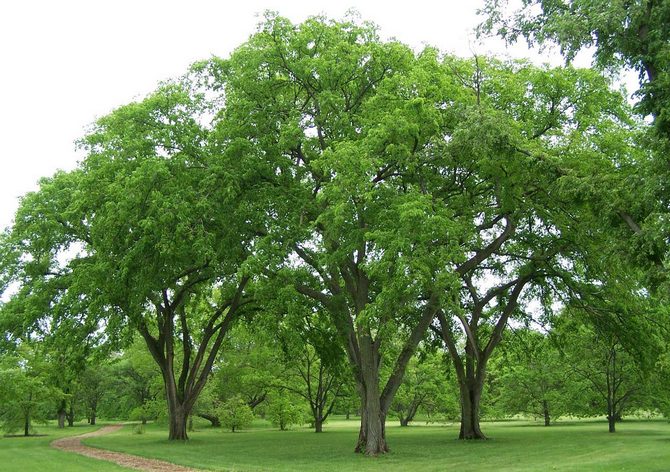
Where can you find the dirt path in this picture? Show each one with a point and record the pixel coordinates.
(73, 444)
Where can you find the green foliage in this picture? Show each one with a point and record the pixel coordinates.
(605, 377)
(426, 388)
(622, 34)
(532, 377)
(284, 412)
(153, 409)
(25, 396)
(235, 414)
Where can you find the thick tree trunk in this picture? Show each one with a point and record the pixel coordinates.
(372, 435)
(471, 394)
(92, 419)
(545, 411)
(318, 425)
(177, 423)
(404, 421)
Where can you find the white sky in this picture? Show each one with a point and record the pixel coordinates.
(64, 63)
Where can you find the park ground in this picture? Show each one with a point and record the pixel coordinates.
(639, 445)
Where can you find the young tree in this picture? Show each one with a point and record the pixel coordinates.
(532, 376)
(423, 385)
(606, 378)
(25, 395)
(286, 410)
(235, 414)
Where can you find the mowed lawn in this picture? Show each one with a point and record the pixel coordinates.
(515, 446)
(19, 454)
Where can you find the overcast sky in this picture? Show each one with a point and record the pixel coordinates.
(65, 63)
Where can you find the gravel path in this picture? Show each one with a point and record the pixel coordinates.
(73, 444)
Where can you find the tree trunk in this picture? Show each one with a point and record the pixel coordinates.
(70, 416)
(611, 415)
(318, 425)
(545, 410)
(61, 416)
(611, 420)
(471, 394)
(93, 416)
(372, 435)
(177, 424)
(404, 421)
(26, 425)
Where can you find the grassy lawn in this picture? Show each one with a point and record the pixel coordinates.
(515, 446)
(34, 453)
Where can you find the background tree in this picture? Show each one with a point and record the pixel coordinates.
(422, 387)
(25, 396)
(606, 378)
(532, 376)
(235, 414)
(285, 410)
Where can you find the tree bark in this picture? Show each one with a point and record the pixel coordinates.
(70, 416)
(372, 435)
(471, 394)
(545, 410)
(318, 425)
(611, 421)
(61, 415)
(177, 423)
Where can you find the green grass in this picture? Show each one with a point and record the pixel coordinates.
(515, 446)
(34, 453)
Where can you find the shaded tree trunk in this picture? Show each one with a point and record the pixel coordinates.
(372, 434)
(61, 415)
(471, 394)
(411, 412)
(70, 416)
(177, 422)
(182, 390)
(545, 410)
(94, 412)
